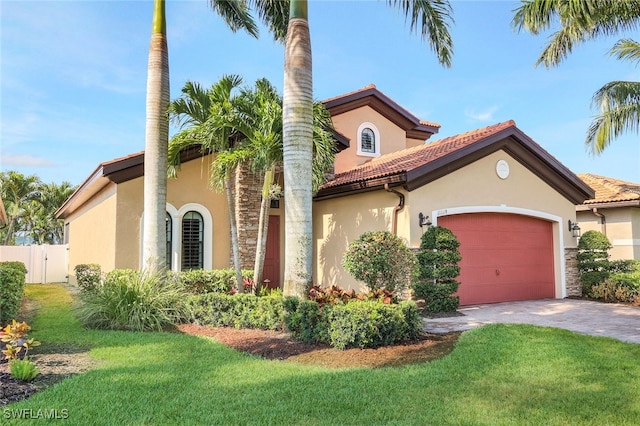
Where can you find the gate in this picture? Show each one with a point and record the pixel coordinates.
(45, 263)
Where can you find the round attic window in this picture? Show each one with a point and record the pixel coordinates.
(502, 169)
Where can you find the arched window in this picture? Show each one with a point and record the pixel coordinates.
(368, 140)
(169, 230)
(192, 241)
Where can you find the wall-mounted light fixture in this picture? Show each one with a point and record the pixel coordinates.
(423, 220)
(574, 229)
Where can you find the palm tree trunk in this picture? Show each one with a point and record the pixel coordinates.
(156, 145)
(231, 204)
(297, 152)
(263, 228)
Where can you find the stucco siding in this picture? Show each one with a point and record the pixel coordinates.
(622, 228)
(88, 241)
(339, 221)
(392, 138)
(128, 224)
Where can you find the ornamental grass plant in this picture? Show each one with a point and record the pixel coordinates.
(133, 300)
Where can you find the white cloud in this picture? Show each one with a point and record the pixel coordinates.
(25, 161)
(484, 115)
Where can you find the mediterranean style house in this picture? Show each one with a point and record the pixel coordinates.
(614, 211)
(509, 202)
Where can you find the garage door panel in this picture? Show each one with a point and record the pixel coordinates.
(505, 257)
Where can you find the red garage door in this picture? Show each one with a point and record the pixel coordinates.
(505, 257)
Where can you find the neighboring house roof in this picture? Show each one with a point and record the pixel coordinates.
(416, 166)
(610, 192)
(378, 101)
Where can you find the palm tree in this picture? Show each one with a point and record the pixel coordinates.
(207, 118)
(261, 126)
(52, 196)
(433, 17)
(156, 144)
(17, 191)
(580, 21)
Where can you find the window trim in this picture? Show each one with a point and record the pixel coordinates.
(376, 144)
(207, 261)
(176, 230)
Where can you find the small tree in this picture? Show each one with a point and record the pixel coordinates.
(593, 259)
(381, 260)
(437, 269)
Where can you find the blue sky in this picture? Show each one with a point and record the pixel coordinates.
(73, 77)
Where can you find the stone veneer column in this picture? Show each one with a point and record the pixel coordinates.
(248, 193)
(572, 275)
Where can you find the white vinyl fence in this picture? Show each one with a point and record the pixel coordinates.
(45, 263)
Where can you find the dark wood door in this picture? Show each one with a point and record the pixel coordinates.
(272, 254)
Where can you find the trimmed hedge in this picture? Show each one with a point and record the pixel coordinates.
(238, 310)
(593, 259)
(200, 281)
(437, 270)
(358, 323)
(12, 280)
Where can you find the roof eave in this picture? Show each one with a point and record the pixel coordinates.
(588, 206)
(361, 186)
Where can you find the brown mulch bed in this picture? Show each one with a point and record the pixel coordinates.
(277, 345)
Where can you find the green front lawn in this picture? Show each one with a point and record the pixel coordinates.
(499, 374)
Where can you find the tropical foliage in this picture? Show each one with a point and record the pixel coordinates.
(617, 102)
(31, 205)
(242, 126)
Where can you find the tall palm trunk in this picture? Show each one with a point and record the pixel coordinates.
(297, 152)
(156, 145)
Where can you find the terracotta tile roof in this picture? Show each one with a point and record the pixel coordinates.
(409, 159)
(609, 189)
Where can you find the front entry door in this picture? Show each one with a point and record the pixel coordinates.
(272, 253)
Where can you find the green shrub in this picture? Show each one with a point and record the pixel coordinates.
(88, 276)
(619, 287)
(370, 324)
(132, 300)
(357, 323)
(381, 260)
(593, 259)
(200, 281)
(437, 269)
(307, 320)
(12, 280)
(238, 310)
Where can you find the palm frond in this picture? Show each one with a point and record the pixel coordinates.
(626, 49)
(434, 18)
(619, 105)
(274, 14)
(579, 20)
(236, 15)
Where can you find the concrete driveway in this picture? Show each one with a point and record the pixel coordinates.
(581, 316)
